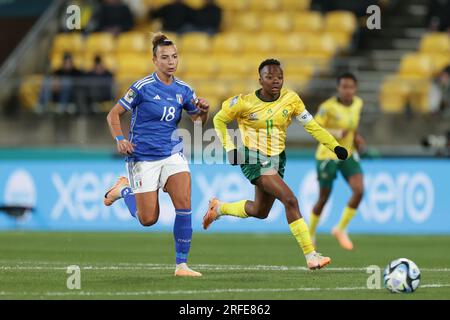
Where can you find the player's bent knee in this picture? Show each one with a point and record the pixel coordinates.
(148, 220)
(290, 201)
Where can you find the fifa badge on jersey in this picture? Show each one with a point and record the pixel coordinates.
(129, 97)
(252, 117)
(179, 98)
(234, 101)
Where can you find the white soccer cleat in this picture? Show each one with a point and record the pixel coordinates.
(317, 261)
(182, 270)
(114, 193)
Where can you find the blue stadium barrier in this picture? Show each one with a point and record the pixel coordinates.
(404, 196)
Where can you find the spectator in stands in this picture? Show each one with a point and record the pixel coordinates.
(112, 16)
(63, 87)
(439, 15)
(98, 87)
(176, 17)
(208, 18)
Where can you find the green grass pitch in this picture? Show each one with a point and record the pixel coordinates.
(33, 265)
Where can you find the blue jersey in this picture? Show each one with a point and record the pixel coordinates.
(156, 109)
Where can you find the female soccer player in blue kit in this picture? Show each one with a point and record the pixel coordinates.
(154, 151)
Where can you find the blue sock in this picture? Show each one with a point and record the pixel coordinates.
(130, 200)
(182, 233)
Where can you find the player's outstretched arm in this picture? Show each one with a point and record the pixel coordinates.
(320, 134)
(123, 145)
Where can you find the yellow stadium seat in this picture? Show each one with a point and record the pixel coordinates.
(261, 43)
(394, 95)
(308, 21)
(68, 42)
(295, 5)
(133, 63)
(125, 80)
(277, 22)
(195, 3)
(344, 21)
(208, 89)
(100, 42)
(437, 42)
(321, 46)
(229, 42)
(231, 67)
(297, 83)
(298, 69)
(196, 67)
(416, 66)
(235, 5)
(439, 61)
(420, 96)
(195, 42)
(265, 5)
(56, 60)
(29, 90)
(243, 87)
(247, 22)
(342, 39)
(132, 42)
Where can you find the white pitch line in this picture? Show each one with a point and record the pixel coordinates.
(195, 292)
(211, 267)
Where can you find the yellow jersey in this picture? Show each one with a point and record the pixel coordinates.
(263, 124)
(342, 120)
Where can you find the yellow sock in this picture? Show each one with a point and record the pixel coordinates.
(236, 209)
(301, 233)
(313, 222)
(347, 215)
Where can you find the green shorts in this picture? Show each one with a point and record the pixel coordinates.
(327, 169)
(257, 164)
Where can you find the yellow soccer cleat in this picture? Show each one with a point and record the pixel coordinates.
(317, 261)
(114, 193)
(182, 270)
(211, 214)
(342, 238)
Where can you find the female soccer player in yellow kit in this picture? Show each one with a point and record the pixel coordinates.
(340, 116)
(263, 117)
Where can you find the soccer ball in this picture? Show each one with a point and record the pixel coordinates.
(401, 276)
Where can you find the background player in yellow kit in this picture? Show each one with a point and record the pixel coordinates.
(263, 117)
(340, 116)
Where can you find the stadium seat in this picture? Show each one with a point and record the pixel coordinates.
(132, 42)
(100, 42)
(195, 3)
(344, 21)
(342, 39)
(439, 61)
(308, 21)
(247, 22)
(29, 90)
(265, 5)
(261, 43)
(195, 42)
(243, 87)
(415, 66)
(277, 22)
(67, 42)
(298, 69)
(235, 5)
(196, 67)
(229, 42)
(394, 95)
(420, 96)
(293, 43)
(321, 46)
(437, 42)
(212, 89)
(295, 5)
(134, 63)
(231, 67)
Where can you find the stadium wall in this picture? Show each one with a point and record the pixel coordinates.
(404, 196)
